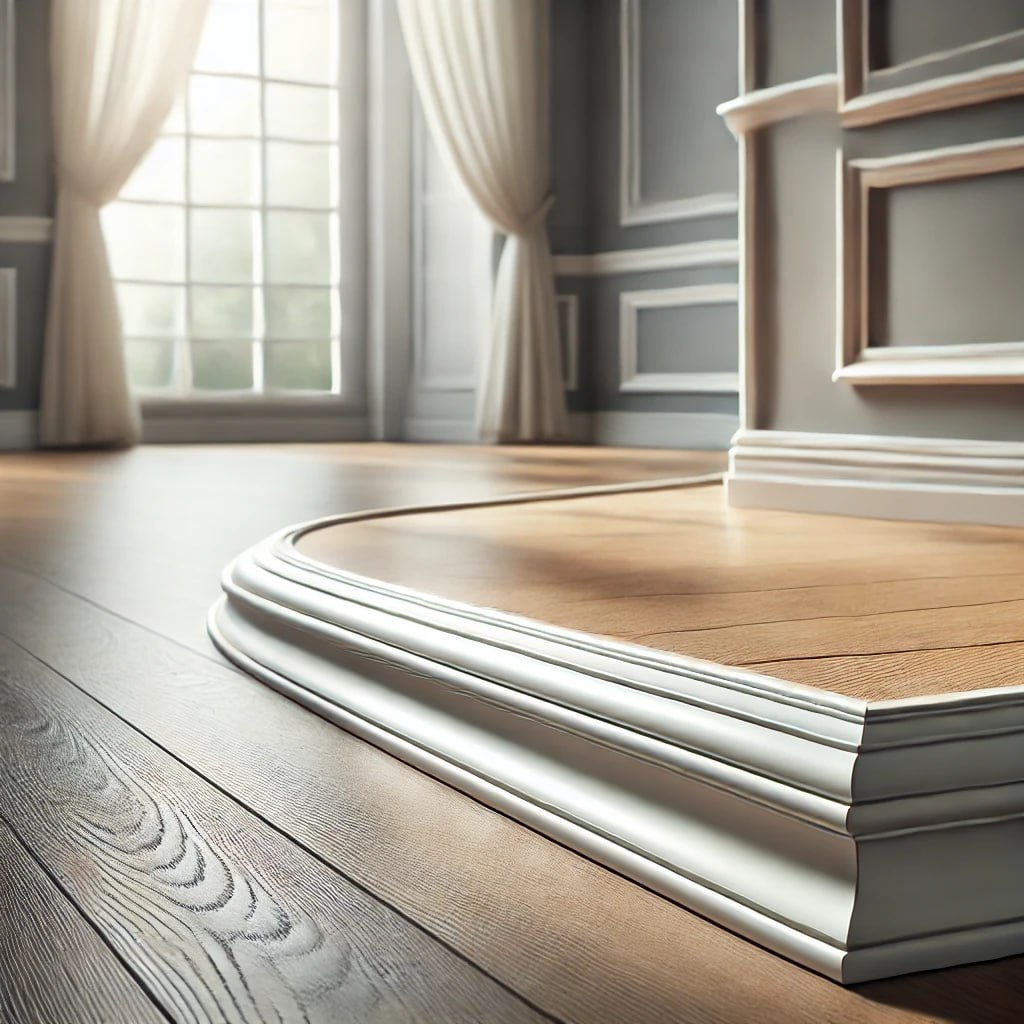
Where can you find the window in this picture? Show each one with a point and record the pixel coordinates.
(225, 243)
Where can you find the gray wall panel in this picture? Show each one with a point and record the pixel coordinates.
(33, 265)
(797, 40)
(687, 340)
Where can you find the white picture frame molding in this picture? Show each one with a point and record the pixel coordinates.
(8, 102)
(569, 338)
(8, 327)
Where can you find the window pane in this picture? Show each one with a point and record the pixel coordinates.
(298, 365)
(299, 40)
(160, 175)
(221, 312)
(301, 112)
(152, 309)
(175, 123)
(221, 365)
(222, 245)
(223, 106)
(150, 363)
(145, 242)
(230, 40)
(225, 172)
(300, 313)
(299, 248)
(300, 175)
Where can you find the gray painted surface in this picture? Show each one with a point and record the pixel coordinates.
(950, 263)
(687, 340)
(797, 39)
(903, 30)
(33, 265)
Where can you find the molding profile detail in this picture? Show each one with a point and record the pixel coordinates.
(762, 107)
(8, 327)
(632, 379)
(633, 208)
(681, 256)
(8, 101)
(797, 817)
(26, 229)
(856, 360)
(886, 477)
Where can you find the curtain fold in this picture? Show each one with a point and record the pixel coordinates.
(481, 71)
(118, 66)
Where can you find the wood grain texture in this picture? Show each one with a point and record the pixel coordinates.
(578, 941)
(53, 966)
(870, 608)
(220, 917)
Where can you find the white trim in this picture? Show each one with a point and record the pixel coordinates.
(570, 341)
(26, 229)
(18, 430)
(856, 361)
(997, 77)
(679, 256)
(748, 799)
(886, 477)
(8, 102)
(682, 430)
(631, 379)
(8, 327)
(633, 208)
(762, 107)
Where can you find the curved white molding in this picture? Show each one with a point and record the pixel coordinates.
(633, 208)
(26, 229)
(717, 252)
(797, 817)
(762, 107)
(889, 477)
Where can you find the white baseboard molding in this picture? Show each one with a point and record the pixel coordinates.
(860, 839)
(926, 479)
(699, 430)
(18, 430)
(215, 429)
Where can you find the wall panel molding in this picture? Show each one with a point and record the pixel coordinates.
(761, 107)
(569, 336)
(632, 379)
(713, 253)
(8, 327)
(932, 479)
(26, 229)
(8, 102)
(633, 208)
(857, 362)
(977, 72)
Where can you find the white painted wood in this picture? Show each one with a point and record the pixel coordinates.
(26, 229)
(753, 110)
(8, 101)
(748, 296)
(929, 479)
(633, 208)
(870, 97)
(569, 336)
(18, 429)
(748, 73)
(682, 255)
(8, 327)
(790, 814)
(857, 362)
(630, 306)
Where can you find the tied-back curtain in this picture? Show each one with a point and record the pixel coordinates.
(481, 71)
(118, 66)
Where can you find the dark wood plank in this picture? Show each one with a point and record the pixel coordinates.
(53, 966)
(218, 915)
(578, 941)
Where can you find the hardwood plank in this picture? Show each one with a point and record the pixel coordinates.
(796, 596)
(221, 917)
(578, 941)
(53, 966)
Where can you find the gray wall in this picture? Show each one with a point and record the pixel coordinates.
(949, 258)
(30, 194)
(685, 64)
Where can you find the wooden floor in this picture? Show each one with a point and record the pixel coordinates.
(872, 609)
(180, 842)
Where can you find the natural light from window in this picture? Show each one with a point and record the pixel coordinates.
(225, 242)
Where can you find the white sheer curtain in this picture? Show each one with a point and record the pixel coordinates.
(481, 70)
(118, 66)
